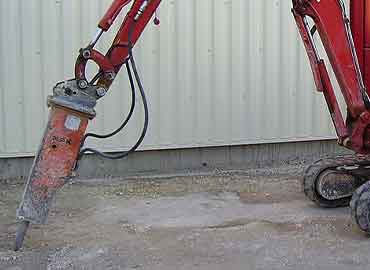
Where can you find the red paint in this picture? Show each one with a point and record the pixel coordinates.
(366, 23)
(360, 23)
(53, 164)
(112, 13)
(332, 102)
(357, 24)
(58, 153)
(103, 62)
(118, 52)
(310, 51)
(328, 18)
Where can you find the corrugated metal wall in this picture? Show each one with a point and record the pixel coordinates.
(217, 72)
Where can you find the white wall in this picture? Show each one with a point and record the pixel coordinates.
(217, 72)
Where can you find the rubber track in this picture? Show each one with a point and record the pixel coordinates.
(360, 207)
(314, 171)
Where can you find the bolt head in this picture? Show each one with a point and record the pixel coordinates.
(86, 54)
(111, 76)
(101, 92)
(83, 84)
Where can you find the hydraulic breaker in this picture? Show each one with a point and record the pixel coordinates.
(60, 146)
(72, 106)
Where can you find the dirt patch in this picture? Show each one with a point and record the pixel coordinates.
(285, 190)
(215, 222)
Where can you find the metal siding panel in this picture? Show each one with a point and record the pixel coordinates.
(2, 82)
(221, 91)
(13, 80)
(256, 64)
(272, 72)
(167, 85)
(203, 70)
(186, 88)
(217, 72)
(290, 57)
(238, 69)
(32, 75)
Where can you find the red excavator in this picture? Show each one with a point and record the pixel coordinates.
(332, 182)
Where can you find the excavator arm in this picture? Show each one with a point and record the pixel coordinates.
(333, 26)
(340, 181)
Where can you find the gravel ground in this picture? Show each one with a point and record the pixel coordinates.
(233, 220)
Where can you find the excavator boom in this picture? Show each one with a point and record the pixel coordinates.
(333, 26)
(341, 181)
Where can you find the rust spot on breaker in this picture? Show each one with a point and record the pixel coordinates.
(54, 163)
